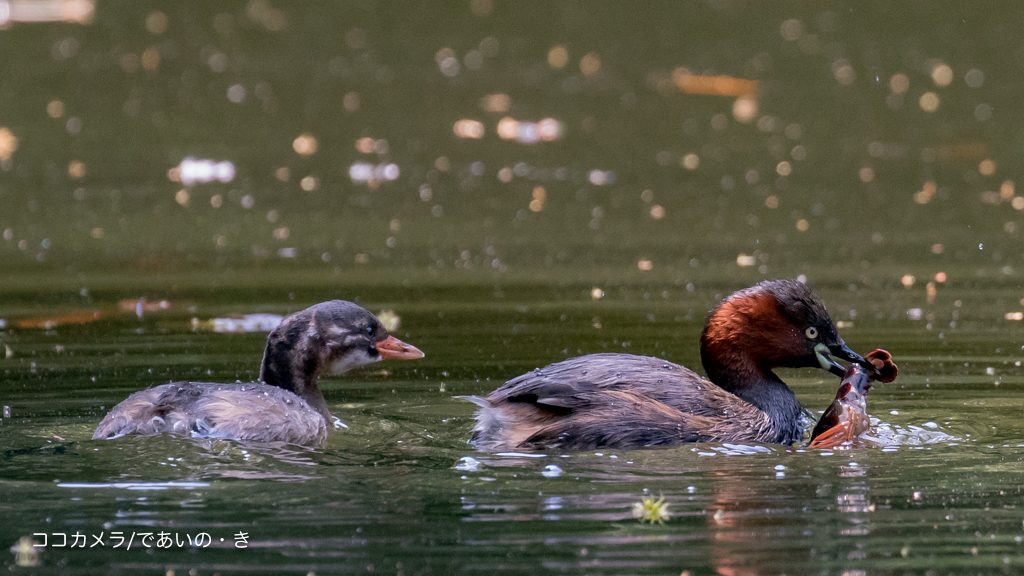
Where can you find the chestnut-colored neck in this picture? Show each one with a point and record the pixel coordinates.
(729, 349)
(290, 362)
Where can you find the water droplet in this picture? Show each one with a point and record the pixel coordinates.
(551, 471)
(468, 464)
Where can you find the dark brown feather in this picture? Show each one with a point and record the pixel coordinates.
(618, 400)
(626, 401)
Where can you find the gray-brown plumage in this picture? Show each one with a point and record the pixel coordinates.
(285, 405)
(627, 401)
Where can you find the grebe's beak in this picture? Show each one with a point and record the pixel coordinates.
(393, 348)
(840, 350)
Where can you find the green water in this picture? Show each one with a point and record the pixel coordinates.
(401, 491)
(904, 220)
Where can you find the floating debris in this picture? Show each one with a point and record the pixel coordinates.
(143, 305)
(26, 552)
(538, 197)
(744, 109)
(471, 129)
(744, 260)
(960, 151)
(201, 171)
(926, 193)
(76, 169)
(650, 510)
(367, 145)
(261, 12)
(305, 144)
(929, 102)
(73, 317)
(601, 177)
(8, 143)
(143, 486)
(71, 11)
(447, 62)
(546, 130)
(558, 57)
(713, 85)
(390, 320)
(941, 74)
(590, 64)
(361, 173)
(496, 103)
(241, 324)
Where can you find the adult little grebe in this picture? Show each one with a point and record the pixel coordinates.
(626, 401)
(285, 405)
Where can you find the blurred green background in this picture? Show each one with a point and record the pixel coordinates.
(880, 141)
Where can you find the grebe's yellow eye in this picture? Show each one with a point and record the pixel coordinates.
(811, 332)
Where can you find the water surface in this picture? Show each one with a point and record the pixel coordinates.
(607, 205)
(400, 490)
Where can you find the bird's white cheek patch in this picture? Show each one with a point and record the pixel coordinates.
(353, 359)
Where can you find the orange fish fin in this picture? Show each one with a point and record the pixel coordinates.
(832, 437)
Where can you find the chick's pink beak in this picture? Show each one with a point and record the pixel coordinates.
(394, 348)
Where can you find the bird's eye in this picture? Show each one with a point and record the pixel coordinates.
(811, 332)
(370, 330)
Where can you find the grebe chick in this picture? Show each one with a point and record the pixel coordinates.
(627, 401)
(285, 405)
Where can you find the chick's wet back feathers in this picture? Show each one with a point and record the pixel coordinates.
(286, 405)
